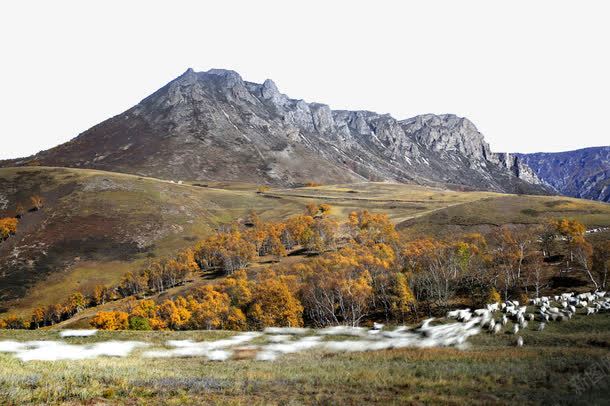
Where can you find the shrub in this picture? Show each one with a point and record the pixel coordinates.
(139, 323)
(494, 296)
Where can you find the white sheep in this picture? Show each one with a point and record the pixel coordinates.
(515, 329)
(590, 310)
(541, 326)
(519, 341)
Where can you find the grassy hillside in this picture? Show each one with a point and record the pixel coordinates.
(491, 371)
(95, 226)
(485, 214)
(398, 200)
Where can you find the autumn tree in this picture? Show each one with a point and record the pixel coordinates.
(38, 316)
(601, 263)
(37, 202)
(186, 259)
(238, 288)
(508, 257)
(437, 268)
(582, 252)
(376, 228)
(114, 320)
(273, 304)
(228, 251)
(325, 209)
(324, 236)
(101, 294)
(147, 309)
(535, 275)
(75, 303)
(298, 231)
(572, 231)
(53, 313)
(402, 299)
(15, 323)
(175, 313)
(8, 227)
(132, 284)
(211, 311)
(19, 210)
(267, 238)
(335, 289)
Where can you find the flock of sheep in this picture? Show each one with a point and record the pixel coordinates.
(556, 308)
(277, 341)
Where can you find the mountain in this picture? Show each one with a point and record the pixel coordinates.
(582, 173)
(215, 126)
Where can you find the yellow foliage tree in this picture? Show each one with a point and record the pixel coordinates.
(274, 305)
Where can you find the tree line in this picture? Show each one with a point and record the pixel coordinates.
(358, 269)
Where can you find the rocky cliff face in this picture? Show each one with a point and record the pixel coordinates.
(215, 125)
(582, 173)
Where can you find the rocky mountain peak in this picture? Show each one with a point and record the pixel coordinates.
(215, 125)
(448, 132)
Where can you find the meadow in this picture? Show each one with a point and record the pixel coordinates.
(559, 365)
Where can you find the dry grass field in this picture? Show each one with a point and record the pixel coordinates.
(553, 367)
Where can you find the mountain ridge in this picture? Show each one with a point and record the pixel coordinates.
(215, 126)
(583, 173)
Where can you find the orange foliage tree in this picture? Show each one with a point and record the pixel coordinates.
(110, 320)
(8, 227)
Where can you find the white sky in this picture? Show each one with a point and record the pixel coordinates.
(532, 75)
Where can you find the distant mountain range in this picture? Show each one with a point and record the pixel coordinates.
(216, 126)
(582, 173)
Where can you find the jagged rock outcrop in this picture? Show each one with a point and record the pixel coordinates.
(581, 173)
(215, 125)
